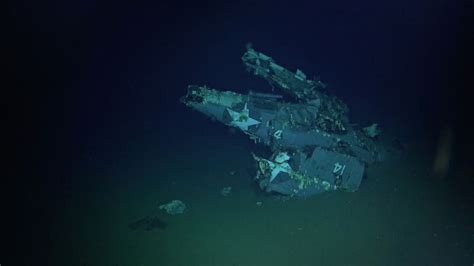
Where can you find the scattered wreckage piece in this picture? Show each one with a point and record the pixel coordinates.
(225, 191)
(174, 207)
(315, 148)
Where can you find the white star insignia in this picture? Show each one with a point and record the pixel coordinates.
(242, 119)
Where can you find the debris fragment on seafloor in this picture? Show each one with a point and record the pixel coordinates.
(174, 207)
(226, 191)
(372, 131)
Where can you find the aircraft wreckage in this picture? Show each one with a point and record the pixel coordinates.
(315, 149)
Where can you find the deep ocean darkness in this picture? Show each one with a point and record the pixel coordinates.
(97, 85)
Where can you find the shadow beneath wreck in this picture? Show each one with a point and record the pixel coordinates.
(148, 223)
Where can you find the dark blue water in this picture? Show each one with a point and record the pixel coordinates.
(96, 102)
